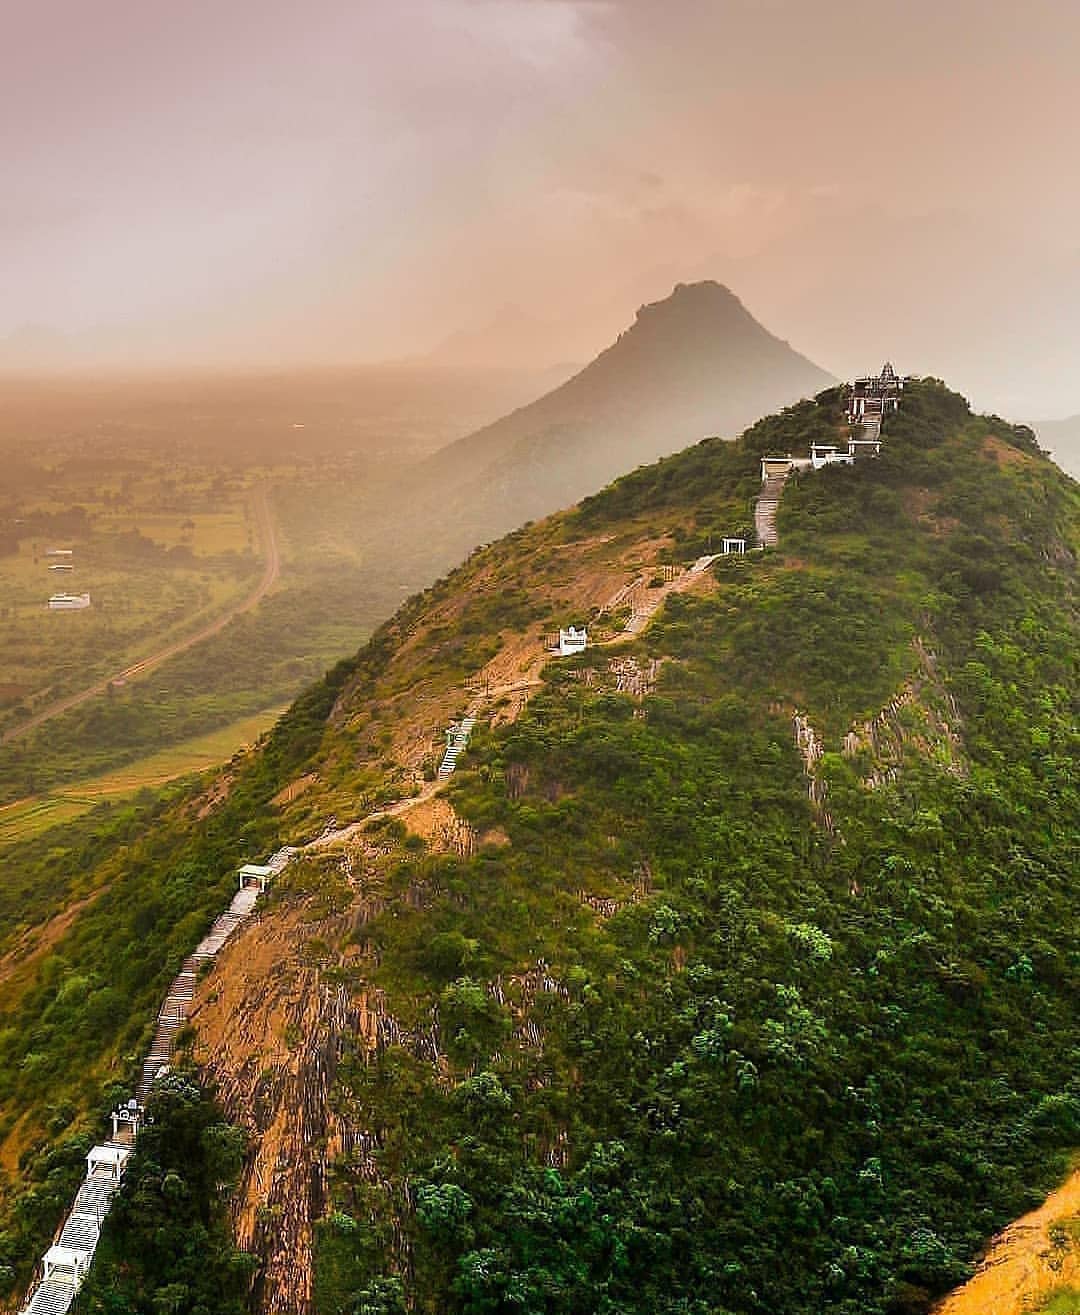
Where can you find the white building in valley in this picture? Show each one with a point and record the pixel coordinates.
(68, 602)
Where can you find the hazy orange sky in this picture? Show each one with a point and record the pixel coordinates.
(252, 180)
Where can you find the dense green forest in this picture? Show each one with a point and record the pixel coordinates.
(706, 1047)
(811, 1070)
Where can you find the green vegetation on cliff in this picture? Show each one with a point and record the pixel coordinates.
(806, 1059)
(704, 1044)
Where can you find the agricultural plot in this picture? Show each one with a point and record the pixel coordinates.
(151, 576)
(30, 817)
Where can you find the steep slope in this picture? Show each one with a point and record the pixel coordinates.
(696, 363)
(743, 939)
(735, 967)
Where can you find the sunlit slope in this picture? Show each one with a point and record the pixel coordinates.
(643, 1014)
(637, 1014)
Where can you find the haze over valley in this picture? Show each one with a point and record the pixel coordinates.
(539, 658)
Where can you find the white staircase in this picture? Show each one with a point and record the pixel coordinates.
(765, 509)
(457, 744)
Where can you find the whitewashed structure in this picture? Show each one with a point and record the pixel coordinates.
(829, 454)
(68, 602)
(573, 640)
(870, 399)
(782, 467)
(256, 874)
(457, 739)
(737, 546)
(262, 874)
(127, 1119)
(109, 1160)
(875, 394)
(66, 1263)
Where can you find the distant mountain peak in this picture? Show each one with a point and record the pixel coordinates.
(704, 297)
(693, 364)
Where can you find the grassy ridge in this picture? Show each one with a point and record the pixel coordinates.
(792, 1072)
(788, 1070)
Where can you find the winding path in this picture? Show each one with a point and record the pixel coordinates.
(271, 571)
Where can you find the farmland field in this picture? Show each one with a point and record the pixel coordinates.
(28, 817)
(172, 496)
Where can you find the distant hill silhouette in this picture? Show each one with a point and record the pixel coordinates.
(692, 365)
(510, 339)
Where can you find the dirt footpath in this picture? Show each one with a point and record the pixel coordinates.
(1023, 1264)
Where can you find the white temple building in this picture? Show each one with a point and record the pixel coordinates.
(573, 641)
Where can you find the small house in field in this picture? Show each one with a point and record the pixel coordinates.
(61, 566)
(573, 641)
(68, 602)
(58, 552)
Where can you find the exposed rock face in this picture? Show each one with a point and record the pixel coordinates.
(274, 1023)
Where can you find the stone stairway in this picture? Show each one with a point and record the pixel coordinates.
(177, 1004)
(765, 509)
(456, 746)
(81, 1229)
(53, 1297)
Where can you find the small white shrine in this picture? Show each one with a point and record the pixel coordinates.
(573, 640)
(107, 1161)
(737, 546)
(257, 874)
(127, 1119)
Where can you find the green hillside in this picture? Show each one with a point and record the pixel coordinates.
(685, 1025)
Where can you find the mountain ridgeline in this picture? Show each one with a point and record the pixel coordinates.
(733, 972)
(696, 363)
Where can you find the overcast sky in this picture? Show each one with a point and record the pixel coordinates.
(357, 179)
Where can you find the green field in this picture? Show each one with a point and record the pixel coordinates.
(1065, 1301)
(30, 817)
(152, 575)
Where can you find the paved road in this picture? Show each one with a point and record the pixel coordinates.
(271, 571)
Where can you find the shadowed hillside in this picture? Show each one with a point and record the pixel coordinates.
(695, 364)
